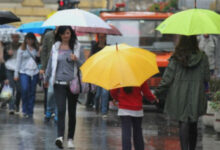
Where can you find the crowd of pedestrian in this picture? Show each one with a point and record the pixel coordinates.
(56, 62)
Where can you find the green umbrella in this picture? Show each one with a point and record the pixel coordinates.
(191, 22)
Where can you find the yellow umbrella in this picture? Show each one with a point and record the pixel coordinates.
(119, 66)
(50, 14)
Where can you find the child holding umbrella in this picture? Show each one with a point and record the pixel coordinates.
(131, 113)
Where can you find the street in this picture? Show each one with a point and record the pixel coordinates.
(94, 132)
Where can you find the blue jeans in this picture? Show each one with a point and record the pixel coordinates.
(104, 95)
(16, 95)
(28, 91)
(51, 103)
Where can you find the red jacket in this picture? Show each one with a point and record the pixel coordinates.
(133, 100)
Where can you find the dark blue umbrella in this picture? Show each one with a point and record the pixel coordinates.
(34, 27)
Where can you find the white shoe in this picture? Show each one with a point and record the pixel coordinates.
(104, 116)
(59, 142)
(70, 143)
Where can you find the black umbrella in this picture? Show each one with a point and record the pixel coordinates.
(7, 17)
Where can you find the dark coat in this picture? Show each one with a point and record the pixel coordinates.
(184, 88)
(2, 72)
(48, 42)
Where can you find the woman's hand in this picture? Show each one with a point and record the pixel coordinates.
(46, 84)
(73, 57)
(42, 72)
(6, 82)
(157, 100)
(10, 52)
(16, 78)
(115, 102)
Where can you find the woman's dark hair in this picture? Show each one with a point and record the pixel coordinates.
(30, 36)
(128, 90)
(186, 46)
(61, 30)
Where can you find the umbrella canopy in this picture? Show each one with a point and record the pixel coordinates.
(76, 18)
(112, 31)
(8, 17)
(191, 22)
(34, 27)
(6, 31)
(119, 67)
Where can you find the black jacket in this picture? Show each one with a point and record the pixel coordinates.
(2, 72)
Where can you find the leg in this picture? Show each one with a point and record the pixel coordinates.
(10, 77)
(184, 135)
(31, 101)
(104, 101)
(50, 101)
(126, 132)
(18, 95)
(193, 135)
(96, 99)
(89, 102)
(45, 99)
(25, 86)
(72, 102)
(60, 94)
(137, 133)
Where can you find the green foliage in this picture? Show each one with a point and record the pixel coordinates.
(174, 3)
(215, 105)
(169, 6)
(214, 85)
(217, 96)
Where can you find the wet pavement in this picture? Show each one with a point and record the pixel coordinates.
(94, 132)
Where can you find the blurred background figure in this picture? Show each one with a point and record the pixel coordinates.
(10, 64)
(1, 52)
(2, 77)
(102, 95)
(49, 101)
(208, 43)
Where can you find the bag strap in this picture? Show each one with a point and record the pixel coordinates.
(79, 79)
(32, 57)
(78, 73)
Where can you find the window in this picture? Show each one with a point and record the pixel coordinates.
(141, 33)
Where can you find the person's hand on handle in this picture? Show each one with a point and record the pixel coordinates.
(42, 72)
(10, 52)
(16, 78)
(46, 84)
(6, 82)
(157, 100)
(73, 57)
(115, 102)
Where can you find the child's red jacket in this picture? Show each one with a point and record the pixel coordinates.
(133, 100)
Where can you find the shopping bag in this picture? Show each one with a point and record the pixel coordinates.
(6, 92)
